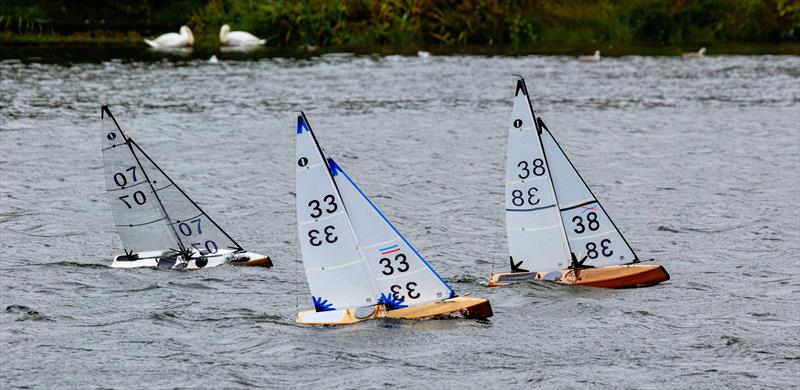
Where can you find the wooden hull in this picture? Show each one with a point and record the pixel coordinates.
(618, 276)
(257, 262)
(458, 307)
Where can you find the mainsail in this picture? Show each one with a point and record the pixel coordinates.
(141, 222)
(536, 238)
(401, 275)
(590, 231)
(337, 274)
(151, 213)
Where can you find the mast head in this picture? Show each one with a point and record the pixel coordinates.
(521, 86)
(302, 123)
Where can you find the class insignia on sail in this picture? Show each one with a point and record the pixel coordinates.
(554, 223)
(354, 257)
(158, 224)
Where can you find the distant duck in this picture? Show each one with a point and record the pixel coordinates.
(699, 54)
(238, 38)
(213, 60)
(591, 58)
(173, 40)
(423, 54)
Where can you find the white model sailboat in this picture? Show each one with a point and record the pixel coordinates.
(555, 225)
(357, 264)
(158, 224)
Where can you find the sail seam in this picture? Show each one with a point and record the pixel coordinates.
(579, 205)
(142, 224)
(335, 266)
(593, 236)
(125, 188)
(526, 230)
(533, 209)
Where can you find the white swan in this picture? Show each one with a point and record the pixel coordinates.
(238, 38)
(173, 40)
(699, 54)
(592, 58)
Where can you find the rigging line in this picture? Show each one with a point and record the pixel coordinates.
(130, 142)
(239, 247)
(546, 163)
(353, 183)
(635, 256)
(163, 209)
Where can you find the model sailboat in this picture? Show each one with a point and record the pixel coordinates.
(555, 225)
(357, 264)
(158, 224)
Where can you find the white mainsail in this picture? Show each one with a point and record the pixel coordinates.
(536, 238)
(140, 220)
(590, 231)
(337, 274)
(401, 275)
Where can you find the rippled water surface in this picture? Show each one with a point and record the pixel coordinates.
(698, 162)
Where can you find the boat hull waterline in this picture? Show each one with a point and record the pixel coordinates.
(618, 276)
(466, 307)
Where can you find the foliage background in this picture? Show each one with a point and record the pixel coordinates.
(417, 23)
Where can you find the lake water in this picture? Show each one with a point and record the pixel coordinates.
(698, 162)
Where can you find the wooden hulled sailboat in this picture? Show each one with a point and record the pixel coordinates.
(357, 263)
(555, 226)
(158, 224)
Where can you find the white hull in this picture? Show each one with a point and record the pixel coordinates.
(170, 261)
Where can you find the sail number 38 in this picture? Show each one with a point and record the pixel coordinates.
(536, 168)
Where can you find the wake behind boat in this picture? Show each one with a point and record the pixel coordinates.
(158, 224)
(554, 223)
(357, 263)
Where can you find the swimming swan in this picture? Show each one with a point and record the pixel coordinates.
(238, 38)
(591, 58)
(173, 40)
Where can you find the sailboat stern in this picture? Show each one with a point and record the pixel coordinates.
(250, 259)
(615, 276)
(619, 276)
(463, 307)
(504, 279)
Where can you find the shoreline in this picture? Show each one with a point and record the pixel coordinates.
(20, 46)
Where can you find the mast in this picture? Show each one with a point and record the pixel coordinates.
(129, 142)
(541, 125)
(521, 85)
(237, 248)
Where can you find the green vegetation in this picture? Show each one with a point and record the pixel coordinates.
(413, 23)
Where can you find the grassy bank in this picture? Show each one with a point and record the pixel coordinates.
(429, 24)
